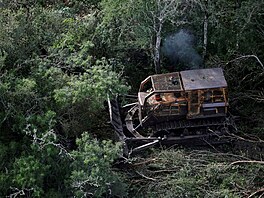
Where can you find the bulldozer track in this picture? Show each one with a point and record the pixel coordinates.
(184, 124)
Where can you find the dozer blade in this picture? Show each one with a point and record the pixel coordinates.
(115, 118)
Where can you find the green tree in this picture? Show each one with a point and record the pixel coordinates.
(141, 24)
(92, 175)
(29, 175)
(49, 76)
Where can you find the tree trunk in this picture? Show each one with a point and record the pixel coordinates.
(157, 49)
(237, 6)
(205, 40)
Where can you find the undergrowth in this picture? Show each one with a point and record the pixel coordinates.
(195, 173)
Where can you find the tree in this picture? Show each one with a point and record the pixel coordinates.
(49, 78)
(145, 22)
(91, 174)
(165, 10)
(60, 60)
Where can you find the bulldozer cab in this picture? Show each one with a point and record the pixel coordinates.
(162, 94)
(206, 91)
(157, 87)
(203, 91)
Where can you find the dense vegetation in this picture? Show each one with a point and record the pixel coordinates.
(61, 59)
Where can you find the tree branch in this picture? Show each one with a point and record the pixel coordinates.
(149, 178)
(247, 56)
(245, 161)
(258, 191)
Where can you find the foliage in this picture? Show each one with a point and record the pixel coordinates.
(197, 173)
(48, 71)
(92, 175)
(60, 60)
(94, 85)
(29, 173)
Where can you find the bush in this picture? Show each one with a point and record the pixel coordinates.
(28, 173)
(92, 175)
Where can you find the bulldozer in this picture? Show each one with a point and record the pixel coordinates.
(173, 108)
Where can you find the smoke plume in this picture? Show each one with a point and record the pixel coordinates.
(179, 48)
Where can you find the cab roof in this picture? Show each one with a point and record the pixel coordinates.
(203, 79)
(189, 80)
(167, 82)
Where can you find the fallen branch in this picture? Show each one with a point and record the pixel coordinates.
(246, 140)
(258, 191)
(145, 162)
(244, 161)
(149, 178)
(165, 171)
